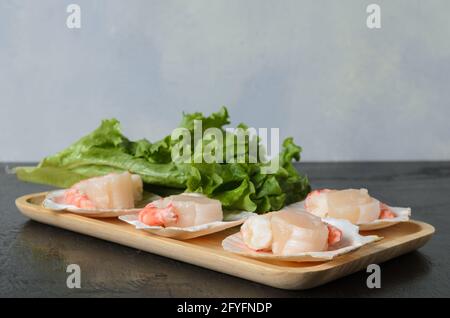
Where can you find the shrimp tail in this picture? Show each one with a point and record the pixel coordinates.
(334, 235)
(386, 212)
(78, 198)
(155, 216)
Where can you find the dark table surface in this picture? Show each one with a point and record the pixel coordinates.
(34, 256)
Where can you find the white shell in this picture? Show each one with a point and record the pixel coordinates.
(351, 240)
(181, 233)
(402, 215)
(50, 203)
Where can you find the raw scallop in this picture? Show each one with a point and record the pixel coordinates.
(355, 205)
(288, 232)
(112, 191)
(182, 210)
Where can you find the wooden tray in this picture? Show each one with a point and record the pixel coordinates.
(207, 251)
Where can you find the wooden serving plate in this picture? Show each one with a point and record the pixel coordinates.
(207, 251)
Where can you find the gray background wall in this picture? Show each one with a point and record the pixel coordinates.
(312, 68)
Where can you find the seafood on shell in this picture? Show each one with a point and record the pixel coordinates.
(293, 234)
(110, 195)
(183, 216)
(354, 205)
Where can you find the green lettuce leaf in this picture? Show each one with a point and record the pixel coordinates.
(238, 185)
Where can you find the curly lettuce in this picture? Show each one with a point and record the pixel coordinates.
(239, 186)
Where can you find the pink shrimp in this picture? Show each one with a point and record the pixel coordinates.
(334, 235)
(78, 198)
(386, 212)
(155, 216)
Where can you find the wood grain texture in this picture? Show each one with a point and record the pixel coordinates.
(207, 251)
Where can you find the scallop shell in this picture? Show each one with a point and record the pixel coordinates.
(402, 215)
(182, 233)
(52, 198)
(351, 240)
